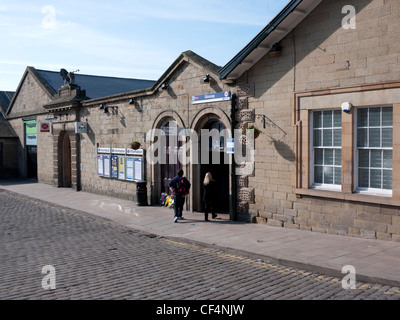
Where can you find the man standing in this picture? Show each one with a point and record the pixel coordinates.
(180, 186)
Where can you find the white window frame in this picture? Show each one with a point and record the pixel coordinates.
(363, 190)
(313, 184)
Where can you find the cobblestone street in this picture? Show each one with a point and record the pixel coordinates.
(95, 258)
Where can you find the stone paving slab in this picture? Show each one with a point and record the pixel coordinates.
(374, 260)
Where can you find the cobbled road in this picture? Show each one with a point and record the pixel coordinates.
(95, 258)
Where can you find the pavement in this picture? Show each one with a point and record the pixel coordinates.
(375, 261)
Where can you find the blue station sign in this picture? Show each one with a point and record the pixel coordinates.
(212, 97)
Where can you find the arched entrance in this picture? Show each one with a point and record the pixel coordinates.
(64, 167)
(213, 149)
(217, 164)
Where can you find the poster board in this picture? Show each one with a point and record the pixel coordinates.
(100, 165)
(114, 167)
(130, 170)
(121, 168)
(106, 166)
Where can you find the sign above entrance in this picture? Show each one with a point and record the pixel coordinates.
(212, 97)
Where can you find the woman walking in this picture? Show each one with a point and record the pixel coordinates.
(209, 196)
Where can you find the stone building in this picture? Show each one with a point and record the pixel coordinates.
(322, 83)
(326, 96)
(8, 140)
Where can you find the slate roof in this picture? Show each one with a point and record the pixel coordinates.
(96, 86)
(5, 99)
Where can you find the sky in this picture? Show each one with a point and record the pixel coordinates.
(129, 39)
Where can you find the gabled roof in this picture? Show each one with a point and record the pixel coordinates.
(5, 99)
(95, 86)
(186, 56)
(275, 31)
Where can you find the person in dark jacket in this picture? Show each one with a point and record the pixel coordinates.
(209, 196)
(179, 195)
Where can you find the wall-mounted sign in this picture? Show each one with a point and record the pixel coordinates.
(138, 169)
(103, 150)
(106, 166)
(44, 127)
(212, 97)
(80, 127)
(129, 161)
(114, 167)
(118, 151)
(100, 165)
(131, 152)
(230, 145)
(121, 168)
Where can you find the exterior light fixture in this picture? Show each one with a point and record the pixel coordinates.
(105, 110)
(131, 101)
(275, 50)
(205, 79)
(101, 106)
(164, 86)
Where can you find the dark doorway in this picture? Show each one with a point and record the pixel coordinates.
(219, 171)
(66, 161)
(32, 162)
(171, 150)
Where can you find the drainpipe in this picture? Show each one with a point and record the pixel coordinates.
(233, 215)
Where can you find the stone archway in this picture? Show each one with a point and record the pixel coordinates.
(203, 120)
(159, 171)
(65, 159)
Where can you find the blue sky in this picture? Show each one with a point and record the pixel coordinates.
(130, 39)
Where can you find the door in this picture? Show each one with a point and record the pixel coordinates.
(66, 161)
(219, 171)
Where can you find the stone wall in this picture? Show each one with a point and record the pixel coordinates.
(320, 55)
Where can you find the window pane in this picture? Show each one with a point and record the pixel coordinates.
(362, 138)
(375, 138)
(374, 117)
(318, 119)
(388, 159)
(327, 119)
(338, 157)
(337, 137)
(328, 175)
(363, 178)
(338, 176)
(387, 179)
(327, 137)
(328, 157)
(317, 138)
(362, 118)
(318, 174)
(363, 158)
(376, 159)
(376, 178)
(337, 118)
(319, 156)
(387, 137)
(387, 116)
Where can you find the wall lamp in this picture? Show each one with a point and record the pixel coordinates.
(275, 50)
(164, 86)
(131, 101)
(206, 79)
(101, 106)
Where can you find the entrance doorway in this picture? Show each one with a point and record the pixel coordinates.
(172, 148)
(65, 165)
(219, 171)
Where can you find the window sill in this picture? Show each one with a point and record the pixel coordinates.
(358, 197)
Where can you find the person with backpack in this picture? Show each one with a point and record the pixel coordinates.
(209, 196)
(180, 186)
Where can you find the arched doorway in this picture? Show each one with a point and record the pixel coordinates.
(218, 162)
(64, 167)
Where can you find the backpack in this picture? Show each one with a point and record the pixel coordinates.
(182, 188)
